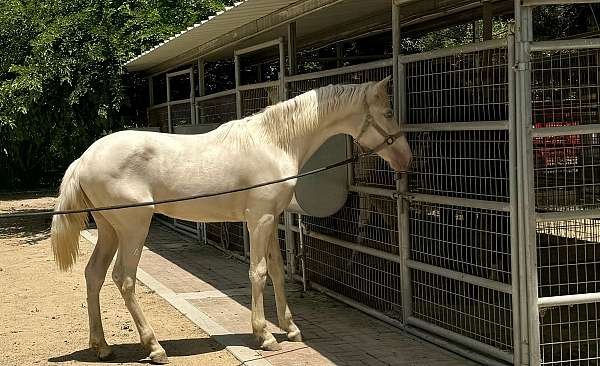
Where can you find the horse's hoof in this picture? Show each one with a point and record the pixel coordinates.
(271, 345)
(103, 352)
(295, 336)
(159, 357)
(105, 355)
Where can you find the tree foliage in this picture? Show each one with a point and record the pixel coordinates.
(62, 84)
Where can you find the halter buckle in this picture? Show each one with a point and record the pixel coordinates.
(390, 140)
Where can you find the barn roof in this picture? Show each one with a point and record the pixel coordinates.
(200, 33)
(250, 22)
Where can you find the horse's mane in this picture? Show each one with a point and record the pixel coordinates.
(284, 121)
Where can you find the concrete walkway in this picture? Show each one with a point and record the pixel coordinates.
(213, 290)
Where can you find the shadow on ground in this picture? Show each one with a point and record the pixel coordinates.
(132, 352)
(332, 329)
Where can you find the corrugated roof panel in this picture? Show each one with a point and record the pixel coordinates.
(206, 30)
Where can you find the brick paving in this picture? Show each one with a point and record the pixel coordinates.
(334, 333)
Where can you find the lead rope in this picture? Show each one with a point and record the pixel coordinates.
(188, 198)
(369, 121)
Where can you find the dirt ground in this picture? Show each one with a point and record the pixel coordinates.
(43, 315)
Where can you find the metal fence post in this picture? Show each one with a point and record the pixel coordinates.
(400, 109)
(527, 219)
(522, 267)
(513, 141)
(403, 209)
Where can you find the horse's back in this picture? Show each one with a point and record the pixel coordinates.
(126, 163)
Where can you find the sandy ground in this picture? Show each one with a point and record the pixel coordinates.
(43, 315)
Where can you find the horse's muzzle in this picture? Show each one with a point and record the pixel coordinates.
(401, 163)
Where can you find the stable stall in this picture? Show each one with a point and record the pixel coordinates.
(491, 245)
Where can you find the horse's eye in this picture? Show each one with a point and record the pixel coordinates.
(389, 114)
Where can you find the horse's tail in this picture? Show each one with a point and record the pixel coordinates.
(65, 228)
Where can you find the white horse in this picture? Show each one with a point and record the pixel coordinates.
(135, 166)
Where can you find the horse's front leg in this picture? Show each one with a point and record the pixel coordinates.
(261, 230)
(276, 272)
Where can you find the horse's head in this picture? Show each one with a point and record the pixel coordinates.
(379, 132)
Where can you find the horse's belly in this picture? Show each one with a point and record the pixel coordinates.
(203, 210)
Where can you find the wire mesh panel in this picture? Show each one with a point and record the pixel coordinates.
(255, 100)
(281, 243)
(565, 87)
(467, 164)
(229, 235)
(463, 87)
(371, 170)
(476, 312)
(368, 220)
(570, 335)
(181, 114)
(470, 86)
(566, 93)
(568, 257)
(567, 172)
(217, 110)
(234, 234)
(466, 240)
(187, 225)
(159, 117)
(213, 232)
(354, 77)
(367, 279)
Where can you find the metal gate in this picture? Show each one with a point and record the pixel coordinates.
(460, 274)
(559, 82)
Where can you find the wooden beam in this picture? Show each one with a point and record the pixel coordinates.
(487, 21)
(292, 50)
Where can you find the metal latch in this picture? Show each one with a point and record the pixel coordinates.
(522, 66)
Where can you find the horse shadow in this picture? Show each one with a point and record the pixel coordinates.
(127, 352)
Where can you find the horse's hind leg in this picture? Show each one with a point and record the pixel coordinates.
(132, 231)
(276, 272)
(95, 272)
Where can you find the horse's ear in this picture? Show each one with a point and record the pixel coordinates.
(383, 84)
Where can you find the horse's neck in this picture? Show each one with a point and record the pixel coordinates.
(307, 129)
(314, 142)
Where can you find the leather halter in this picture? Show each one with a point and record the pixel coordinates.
(389, 139)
